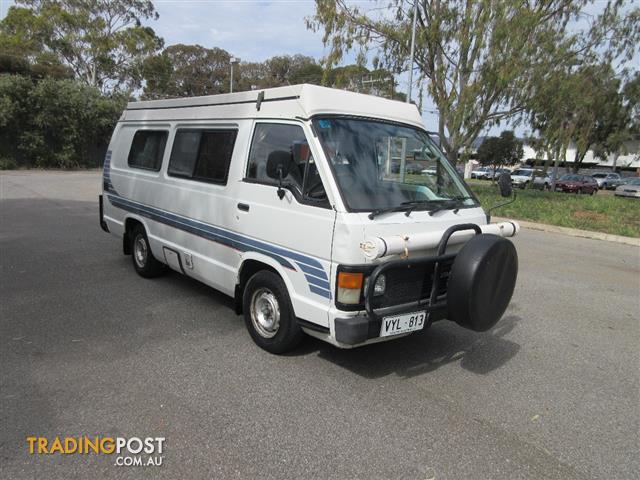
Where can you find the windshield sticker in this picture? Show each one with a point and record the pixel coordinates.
(324, 124)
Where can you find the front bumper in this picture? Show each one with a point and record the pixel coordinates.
(628, 193)
(363, 327)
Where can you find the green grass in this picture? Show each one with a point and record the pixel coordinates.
(601, 212)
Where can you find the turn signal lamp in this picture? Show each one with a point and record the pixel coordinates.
(349, 287)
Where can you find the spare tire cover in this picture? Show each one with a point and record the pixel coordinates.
(481, 282)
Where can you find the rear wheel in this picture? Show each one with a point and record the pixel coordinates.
(268, 313)
(143, 260)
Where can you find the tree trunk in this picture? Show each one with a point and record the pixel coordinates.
(556, 164)
(576, 163)
(615, 161)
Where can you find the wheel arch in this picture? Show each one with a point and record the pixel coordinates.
(130, 223)
(250, 264)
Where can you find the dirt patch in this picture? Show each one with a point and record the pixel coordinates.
(587, 215)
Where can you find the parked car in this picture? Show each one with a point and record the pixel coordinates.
(482, 173)
(630, 188)
(413, 168)
(543, 181)
(521, 177)
(499, 171)
(608, 180)
(574, 183)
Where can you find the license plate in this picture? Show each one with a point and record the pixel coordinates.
(398, 324)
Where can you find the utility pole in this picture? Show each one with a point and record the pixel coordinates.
(413, 48)
(234, 61)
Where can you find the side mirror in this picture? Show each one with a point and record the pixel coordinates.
(278, 166)
(504, 182)
(506, 190)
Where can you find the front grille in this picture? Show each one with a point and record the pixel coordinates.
(412, 283)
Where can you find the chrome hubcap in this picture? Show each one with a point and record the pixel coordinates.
(265, 313)
(140, 251)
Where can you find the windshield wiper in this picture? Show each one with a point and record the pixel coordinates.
(407, 207)
(416, 203)
(442, 204)
(449, 204)
(399, 208)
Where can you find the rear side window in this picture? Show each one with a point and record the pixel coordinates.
(147, 149)
(203, 155)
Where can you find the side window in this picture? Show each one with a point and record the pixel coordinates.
(303, 177)
(147, 149)
(202, 155)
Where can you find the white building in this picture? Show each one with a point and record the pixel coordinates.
(627, 159)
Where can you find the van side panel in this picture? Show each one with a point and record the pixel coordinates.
(185, 215)
(208, 234)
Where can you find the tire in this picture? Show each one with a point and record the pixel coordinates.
(144, 262)
(481, 282)
(269, 315)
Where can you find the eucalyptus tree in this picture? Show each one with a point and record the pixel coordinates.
(186, 71)
(480, 59)
(102, 41)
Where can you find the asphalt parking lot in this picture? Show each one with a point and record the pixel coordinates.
(89, 348)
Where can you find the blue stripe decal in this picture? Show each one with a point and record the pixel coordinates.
(106, 174)
(317, 282)
(194, 229)
(320, 291)
(314, 272)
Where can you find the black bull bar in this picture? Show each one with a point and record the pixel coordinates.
(434, 306)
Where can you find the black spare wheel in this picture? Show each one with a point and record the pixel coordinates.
(481, 282)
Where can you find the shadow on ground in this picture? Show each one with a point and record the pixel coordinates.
(424, 352)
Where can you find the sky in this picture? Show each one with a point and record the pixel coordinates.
(252, 30)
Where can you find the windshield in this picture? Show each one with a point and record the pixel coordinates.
(380, 165)
(570, 178)
(522, 173)
(599, 175)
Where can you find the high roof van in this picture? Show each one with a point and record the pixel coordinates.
(299, 203)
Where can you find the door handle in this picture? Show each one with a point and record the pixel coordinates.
(243, 206)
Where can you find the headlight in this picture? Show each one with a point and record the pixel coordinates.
(380, 285)
(352, 285)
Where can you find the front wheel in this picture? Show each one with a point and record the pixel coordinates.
(268, 313)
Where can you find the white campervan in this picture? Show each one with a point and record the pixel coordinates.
(299, 203)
